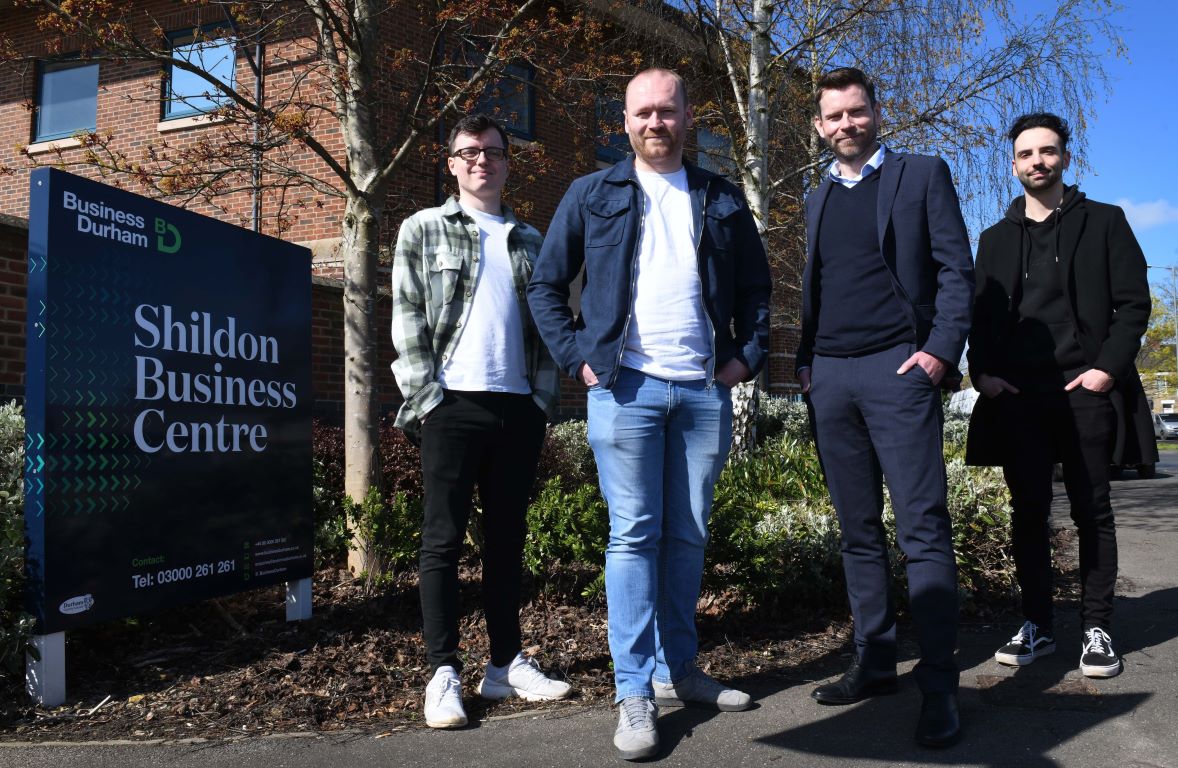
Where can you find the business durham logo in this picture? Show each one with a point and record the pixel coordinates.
(97, 219)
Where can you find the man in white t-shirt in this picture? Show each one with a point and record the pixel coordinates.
(674, 313)
(478, 387)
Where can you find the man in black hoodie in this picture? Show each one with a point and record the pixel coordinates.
(1060, 307)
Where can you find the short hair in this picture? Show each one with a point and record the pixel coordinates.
(679, 82)
(1051, 122)
(838, 79)
(475, 124)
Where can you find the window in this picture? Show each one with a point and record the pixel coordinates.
(188, 93)
(67, 99)
(510, 100)
(612, 142)
(714, 152)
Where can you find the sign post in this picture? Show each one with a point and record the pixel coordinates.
(168, 412)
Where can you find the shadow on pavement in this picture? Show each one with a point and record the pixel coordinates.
(1010, 717)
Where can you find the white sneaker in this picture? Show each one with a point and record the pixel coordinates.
(443, 700)
(523, 678)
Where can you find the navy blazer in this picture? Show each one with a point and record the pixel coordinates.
(924, 244)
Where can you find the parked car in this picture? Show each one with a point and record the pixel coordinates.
(1165, 426)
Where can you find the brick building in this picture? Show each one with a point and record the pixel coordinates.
(143, 110)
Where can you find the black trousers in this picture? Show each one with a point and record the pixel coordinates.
(1078, 427)
(491, 439)
(871, 425)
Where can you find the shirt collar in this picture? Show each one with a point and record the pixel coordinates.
(873, 163)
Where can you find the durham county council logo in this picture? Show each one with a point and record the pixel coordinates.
(77, 604)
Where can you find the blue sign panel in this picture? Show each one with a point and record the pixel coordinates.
(168, 405)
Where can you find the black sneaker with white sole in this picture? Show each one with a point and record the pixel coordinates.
(1098, 658)
(1028, 644)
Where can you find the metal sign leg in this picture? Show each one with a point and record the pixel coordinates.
(298, 600)
(45, 678)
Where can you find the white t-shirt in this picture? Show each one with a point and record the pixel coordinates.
(489, 356)
(668, 335)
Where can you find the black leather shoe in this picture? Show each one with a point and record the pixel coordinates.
(939, 724)
(856, 684)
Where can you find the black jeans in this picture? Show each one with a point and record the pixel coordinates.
(491, 439)
(1077, 428)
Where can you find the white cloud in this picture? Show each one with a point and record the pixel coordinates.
(1148, 215)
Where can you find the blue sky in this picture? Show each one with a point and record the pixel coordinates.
(1130, 156)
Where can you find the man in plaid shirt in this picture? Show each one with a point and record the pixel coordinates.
(478, 387)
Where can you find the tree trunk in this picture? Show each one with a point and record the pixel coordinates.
(755, 177)
(361, 433)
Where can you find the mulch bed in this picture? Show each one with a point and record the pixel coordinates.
(234, 666)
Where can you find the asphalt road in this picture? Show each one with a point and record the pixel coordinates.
(1044, 715)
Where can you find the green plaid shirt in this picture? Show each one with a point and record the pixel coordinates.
(436, 271)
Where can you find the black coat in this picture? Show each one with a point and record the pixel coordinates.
(1108, 302)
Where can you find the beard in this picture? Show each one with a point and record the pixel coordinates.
(1050, 177)
(847, 148)
(648, 150)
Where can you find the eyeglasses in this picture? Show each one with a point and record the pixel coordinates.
(470, 154)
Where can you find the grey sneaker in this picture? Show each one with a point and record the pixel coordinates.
(699, 688)
(637, 736)
(523, 678)
(443, 700)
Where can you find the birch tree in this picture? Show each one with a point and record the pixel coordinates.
(363, 109)
(951, 74)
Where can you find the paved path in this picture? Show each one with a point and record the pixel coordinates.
(1044, 715)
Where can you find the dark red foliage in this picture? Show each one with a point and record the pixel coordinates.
(400, 461)
(327, 448)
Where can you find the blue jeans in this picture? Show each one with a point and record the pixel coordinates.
(660, 446)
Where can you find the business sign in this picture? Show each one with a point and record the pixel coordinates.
(168, 406)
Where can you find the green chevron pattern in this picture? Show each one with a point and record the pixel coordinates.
(87, 460)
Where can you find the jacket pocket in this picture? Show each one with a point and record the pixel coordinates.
(445, 269)
(606, 221)
(719, 226)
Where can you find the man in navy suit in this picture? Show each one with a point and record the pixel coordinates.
(886, 299)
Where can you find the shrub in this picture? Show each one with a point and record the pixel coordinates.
(956, 430)
(400, 468)
(774, 537)
(400, 463)
(567, 454)
(979, 505)
(327, 489)
(775, 534)
(16, 626)
(569, 528)
(389, 532)
(783, 416)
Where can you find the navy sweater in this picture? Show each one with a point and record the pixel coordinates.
(859, 312)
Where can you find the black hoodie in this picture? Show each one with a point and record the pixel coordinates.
(1044, 352)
